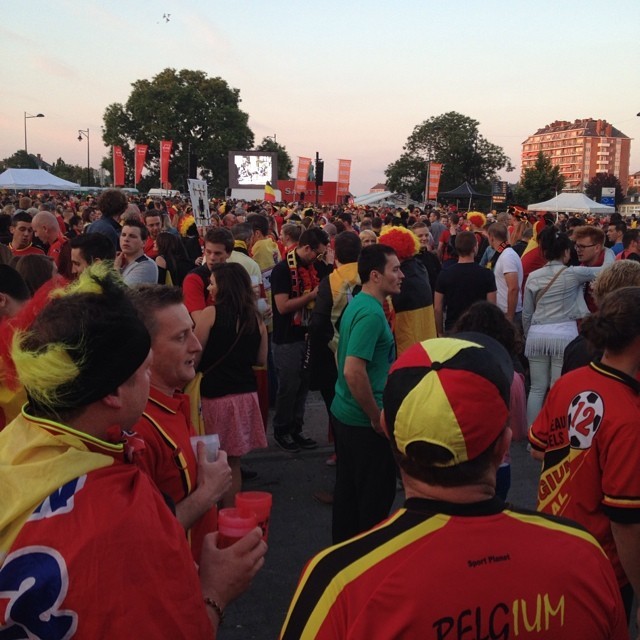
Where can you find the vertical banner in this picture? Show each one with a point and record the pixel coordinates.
(199, 195)
(434, 171)
(118, 167)
(301, 176)
(344, 177)
(165, 152)
(140, 159)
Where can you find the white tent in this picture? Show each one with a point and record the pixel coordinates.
(23, 179)
(571, 203)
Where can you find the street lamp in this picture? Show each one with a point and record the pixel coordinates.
(81, 133)
(26, 117)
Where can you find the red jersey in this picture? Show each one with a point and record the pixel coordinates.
(168, 456)
(55, 249)
(195, 289)
(29, 250)
(91, 548)
(150, 250)
(589, 431)
(451, 571)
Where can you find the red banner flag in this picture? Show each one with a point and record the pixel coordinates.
(118, 167)
(301, 176)
(165, 152)
(434, 171)
(344, 177)
(141, 157)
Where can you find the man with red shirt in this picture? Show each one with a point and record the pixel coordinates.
(192, 482)
(46, 228)
(456, 561)
(589, 245)
(153, 222)
(218, 245)
(21, 235)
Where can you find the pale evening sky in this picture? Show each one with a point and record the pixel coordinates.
(348, 79)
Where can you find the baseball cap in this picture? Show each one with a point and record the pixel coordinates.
(451, 392)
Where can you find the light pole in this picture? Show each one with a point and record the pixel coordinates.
(85, 133)
(26, 117)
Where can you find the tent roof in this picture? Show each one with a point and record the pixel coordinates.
(571, 203)
(34, 179)
(465, 190)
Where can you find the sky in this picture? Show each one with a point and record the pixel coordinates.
(349, 79)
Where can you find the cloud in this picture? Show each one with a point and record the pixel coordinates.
(53, 66)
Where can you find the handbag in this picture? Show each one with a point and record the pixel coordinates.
(543, 291)
(192, 389)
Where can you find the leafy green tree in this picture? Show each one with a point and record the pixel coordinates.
(540, 182)
(201, 115)
(452, 139)
(284, 160)
(600, 180)
(19, 160)
(72, 172)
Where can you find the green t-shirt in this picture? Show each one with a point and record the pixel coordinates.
(365, 334)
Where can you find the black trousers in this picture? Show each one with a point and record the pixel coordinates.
(365, 480)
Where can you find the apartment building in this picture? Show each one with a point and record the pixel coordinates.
(581, 149)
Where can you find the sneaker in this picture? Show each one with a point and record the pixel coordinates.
(302, 442)
(331, 462)
(286, 443)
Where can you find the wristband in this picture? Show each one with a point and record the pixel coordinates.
(216, 607)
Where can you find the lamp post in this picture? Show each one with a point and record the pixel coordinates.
(26, 117)
(85, 133)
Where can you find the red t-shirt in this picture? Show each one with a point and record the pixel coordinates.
(27, 251)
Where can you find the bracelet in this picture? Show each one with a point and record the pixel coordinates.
(216, 607)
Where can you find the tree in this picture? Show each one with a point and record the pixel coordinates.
(199, 114)
(71, 172)
(541, 182)
(600, 180)
(453, 140)
(284, 160)
(19, 160)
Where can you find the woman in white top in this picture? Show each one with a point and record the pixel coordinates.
(553, 302)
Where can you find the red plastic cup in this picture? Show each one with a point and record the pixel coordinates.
(234, 524)
(260, 503)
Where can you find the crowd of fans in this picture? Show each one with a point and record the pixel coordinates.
(378, 308)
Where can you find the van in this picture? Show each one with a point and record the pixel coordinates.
(163, 193)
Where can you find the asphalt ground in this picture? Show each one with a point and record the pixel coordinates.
(300, 526)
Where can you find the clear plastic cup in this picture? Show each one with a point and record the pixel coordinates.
(212, 444)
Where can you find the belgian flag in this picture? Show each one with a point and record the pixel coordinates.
(269, 193)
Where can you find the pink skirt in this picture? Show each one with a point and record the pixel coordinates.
(237, 420)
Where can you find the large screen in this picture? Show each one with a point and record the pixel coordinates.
(252, 169)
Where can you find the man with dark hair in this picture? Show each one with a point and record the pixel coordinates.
(365, 471)
(242, 233)
(112, 204)
(294, 285)
(507, 269)
(629, 244)
(436, 226)
(334, 294)
(218, 245)
(14, 292)
(462, 284)
(21, 230)
(153, 222)
(87, 249)
(88, 545)
(456, 561)
(614, 235)
(193, 483)
(136, 268)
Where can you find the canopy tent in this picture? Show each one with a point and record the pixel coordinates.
(465, 190)
(23, 179)
(571, 203)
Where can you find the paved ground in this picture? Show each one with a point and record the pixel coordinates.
(300, 526)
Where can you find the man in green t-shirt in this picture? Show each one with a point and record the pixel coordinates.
(365, 473)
